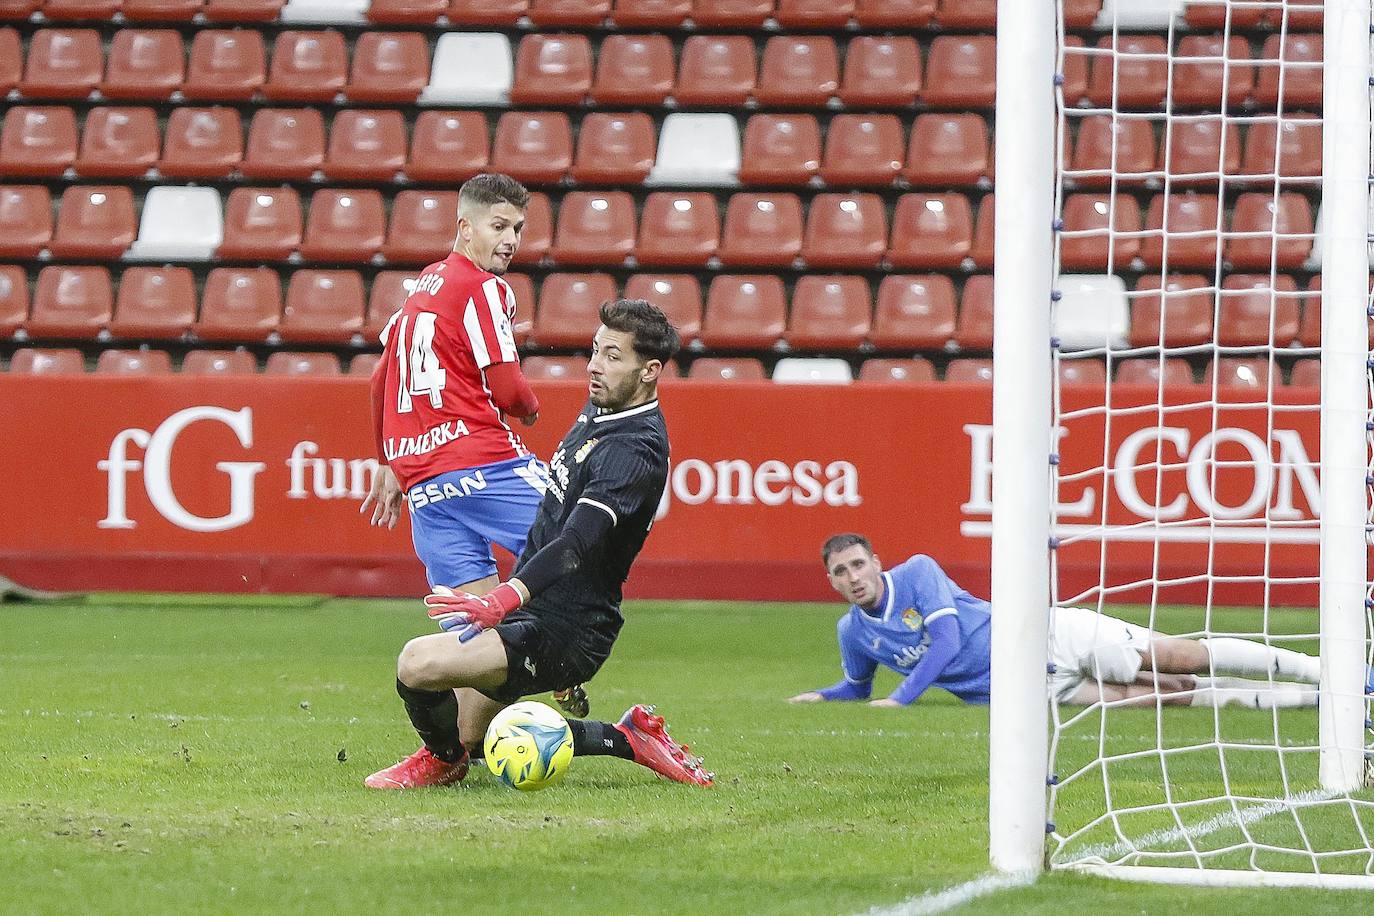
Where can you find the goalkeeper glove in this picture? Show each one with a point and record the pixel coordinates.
(470, 614)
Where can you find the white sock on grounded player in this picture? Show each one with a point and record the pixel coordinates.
(1234, 691)
(1243, 658)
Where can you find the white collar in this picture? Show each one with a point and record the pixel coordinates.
(620, 415)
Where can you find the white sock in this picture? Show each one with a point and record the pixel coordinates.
(1242, 658)
(1231, 691)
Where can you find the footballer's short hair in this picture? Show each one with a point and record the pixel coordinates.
(837, 542)
(490, 189)
(654, 335)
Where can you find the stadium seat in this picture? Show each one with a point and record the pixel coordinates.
(161, 10)
(1091, 312)
(70, 302)
(660, 14)
(798, 71)
(118, 143)
(219, 362)
(243, 10)
(11, 60)
(762, 230)
(882, 14)
(60, 361)
(534, 147)
(362, 365)
(947, 150)
(504, 13)
(523, 288)
(284, 143)
(1135, 75)
(406, 12)
(845, 230)
(1186, 301)
(37, 142)
(537, 238)
(780, 150)
(881, 72)
(829, 313)
(814, 14)
(1083, 371)
(1075, 71)
(982, 250)
(594, 228)
(744, 313)
(134, 362)
(569, 304)
(25, 220)
(969, 371)
(20, 10)
(1193, 151)
(727, 369)
(1238, 373)
(697, 149)
(1080, 14)
(388, 68)
(319, 365)
(1290, 148)
(157, 303)
(307, 67)
(633, 70)
(261, 224)
(1310, 329)
(552, 70)
(144, 64)
(366, 145)
(1146, 370)
(973, 331)
(388, 293)
(961, 72)
(423, 227)
(14, 298)
(614, 148)
(229, 65)
(972, 15)
(239, 304)
(1202, 63)
(62, 64)
(554, 368)
(931, 230)
(1192, 221)
(448, 146)
(794, 370)
(554, 13)
(1099, 215)
(339, 12)
(905, 371)
(179, 224)
(1307, 373)
(202, 143)
(731, 14)
(470, 68)
(677, 295)
(1215, 15)
(1302, 71)
(678, 229)
(1250, 305)
(1263, 218)
(716, 71)
(344, 226)
(322, 306)
(914, 312)
(862, 150)
(1139, 14)
(1107, 147)
(94, 222)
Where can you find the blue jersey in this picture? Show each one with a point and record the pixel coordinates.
(894, 633)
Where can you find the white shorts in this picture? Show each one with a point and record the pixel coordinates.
(1086, 646)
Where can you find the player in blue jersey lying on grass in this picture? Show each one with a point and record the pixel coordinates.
(915, 620)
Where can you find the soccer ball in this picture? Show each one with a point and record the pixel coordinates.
(529, 746)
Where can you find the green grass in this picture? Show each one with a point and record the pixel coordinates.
(172, 754)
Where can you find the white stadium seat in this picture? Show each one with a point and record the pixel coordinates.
(799, 371)
(697, 149)
(1092, 312)
(1139, 14)
(343, 12)
(472, 68)
(179, 224)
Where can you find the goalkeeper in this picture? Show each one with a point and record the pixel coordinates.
(918, 622)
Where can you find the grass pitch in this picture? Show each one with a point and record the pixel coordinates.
(207, 755)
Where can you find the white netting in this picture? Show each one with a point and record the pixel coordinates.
(1187, 366)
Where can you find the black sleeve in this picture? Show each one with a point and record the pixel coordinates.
(624, 477)
(562, 556)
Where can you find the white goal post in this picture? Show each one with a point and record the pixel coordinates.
(1147, 791)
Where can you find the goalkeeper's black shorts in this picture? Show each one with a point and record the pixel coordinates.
(546, 652)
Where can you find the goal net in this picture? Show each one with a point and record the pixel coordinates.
(1205, 351)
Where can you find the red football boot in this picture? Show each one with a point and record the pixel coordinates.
(655, 749)
(420, 769)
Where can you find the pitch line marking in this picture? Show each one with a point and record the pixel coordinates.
(953, 897)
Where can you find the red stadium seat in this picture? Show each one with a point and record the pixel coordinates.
(969, 371)
(76, 10)
(829, 313)
(1262, 218)
(344, 225)
(388, 67)
(1134, 76)
(157, 303)
(1120, 148)
(307, 67)
(219, 362)
(881, 71)
(11, 60)
(25, 220)
(862, 150)
(906, 371)
(1310, 330)
(798, 70)
(71, 302)
(1292, 148)
(677, 295)
(1099, 214)
(1075, 83)
(33, 361)
(1193, 151)
(537, 238)
(1199, 84)
(487, 12)
(118, 143)
(1251, 305)
(534, 147)
(144, 64)
(1238, 374)
(239, 304)
(161, 10)
(727, 369)
(614, 148)
(362, 365)
(1187, 311)
(814, 14)
(715, 70)
(243, 10)
(975, 15)
(366, 145)
(423, 227)
(744, 313)
(1146, 370)
(1302, 71)
(94, 222)
(1082, 371)
(633, 70)
(594, 228)
(285, 143)
(322, 365)
(1215, 15)
(931, 230)
(982, 250)
(554, 368)
(387, 294)
(552, 70)
(38, 142)
(731, 14)
(406, 12)
(948, 149)
(901, 14)
(973, 331)
(1307, 373)
(62, 64)
(547, 13)
(448, 146)
(914, 312)
(1080, 14)
(202, 143)
(323, 306)
(660, 14)
(678, 229)
(225, 64)
(569, 304)
(261, 224)
(845, 230)
(762, 230)
(780, 150)
(134, 362)
(523, 288)
(961, 72)
(14, 298)
(1192, 221)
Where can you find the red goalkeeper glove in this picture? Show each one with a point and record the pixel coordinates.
(470, 614)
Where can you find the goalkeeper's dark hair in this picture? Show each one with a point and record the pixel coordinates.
(492, 188)
(654, 335)
(837, 542)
